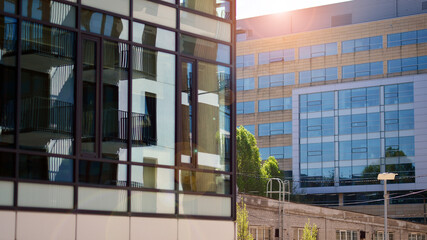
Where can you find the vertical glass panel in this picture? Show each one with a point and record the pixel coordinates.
(205, 49)
(89, 101)
(119, 7)
(6, 196)
(214, 112)
(9, 6)
(153, 202)
(153, 177)
(204, 205)
(115, 100)
(153, 12)
(187, 112)
(7, 164)
(153, 36)
(102, 199)
(47, 91)
(153, 107)
(219, 8)
(190, 181)
(45, 196)
(104, 24)
(52, 169)
(50, 11)
(102, 173)
(205, 26)
(8, 40)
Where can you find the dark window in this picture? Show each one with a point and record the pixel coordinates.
(52, 169)
(7, 164)
(102, 173)
(424, 5)
(341, 20)
(199, 48)
(104, 24)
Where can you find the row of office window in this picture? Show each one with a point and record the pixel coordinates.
(407, 64)
(281, 152)
(348, 46)
(357, 123)
(99, 122)
(277, 128)
(268, 105)
(357, 98)
(357, 149)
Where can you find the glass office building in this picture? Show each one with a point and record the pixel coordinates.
(336, 93)
(115, 118)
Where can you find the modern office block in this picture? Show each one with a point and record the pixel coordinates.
(117, 114)
(350, 79)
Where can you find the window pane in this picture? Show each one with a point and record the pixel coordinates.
(51, 169)
(102, 173)
(153, 12)
(205, 26)
(9, 6)
(219, 8)
(305, 52)
(153, 202)
(331, 49)
(101, 199)
(263, 58)
(190, 181)
(153, 36)
(8, 41)
(119, 7)
(45, 196)
(7, 164)
(153, 102)
(153, 177)
(104, 24)
(50, 11)
(47, 91)
(115, 100)
(6, 196)
(205, 49)
(347, 46)
(204, 205)
(214, 117)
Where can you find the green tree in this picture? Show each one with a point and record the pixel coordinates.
(310, 231)
(270, 168)
(249, 177)
(242, 223)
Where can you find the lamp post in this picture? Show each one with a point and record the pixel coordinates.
(386, 176)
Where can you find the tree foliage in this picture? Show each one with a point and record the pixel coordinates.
(249, 176)
(270, 168)
(310, 231)
(242, 223)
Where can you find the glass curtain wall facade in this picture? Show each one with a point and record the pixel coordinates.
(118, 106)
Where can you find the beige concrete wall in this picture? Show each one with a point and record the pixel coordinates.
(264, 213)
(61, 226)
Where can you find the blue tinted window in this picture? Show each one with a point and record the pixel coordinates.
(324, 74)
(401, 93)
(245, 107)
(264, 129)
(276, 56)
(277, 152)
(264, 105)
(304, 77)
(406, 38)
(245, 60)
(263, 58)
(399, 146)
(287, 152)
(278, 128)
(399, 120)
(345, 150)
(304, 52)
(264, 153)
(422, 62)
(318, 50)
(289, 54)
(274, 104)
(362, 44)
(364, 69)
(250, 128)
(360, 97)
(245, 84)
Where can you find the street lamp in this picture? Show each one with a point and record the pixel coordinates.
(386, 176)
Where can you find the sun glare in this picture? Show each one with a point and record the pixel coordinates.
(253, 8)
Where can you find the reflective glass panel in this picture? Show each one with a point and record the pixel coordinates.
(7, 164)
(50, 11)
(52, 169)
(154, 12)
(8, 41)
(205, 49)
(205, 26)
(213, 118)
(104, 24)
(153, 177)
(219, 8)
(47, 90)
(187, 112)
(9, 6)
(115, 115)
(119, 7)
(153, 104)
(190, 181)
(153, 36)
(102, 173)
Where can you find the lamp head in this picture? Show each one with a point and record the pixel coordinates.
(386, 176)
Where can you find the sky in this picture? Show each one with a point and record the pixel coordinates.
(253, 8)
